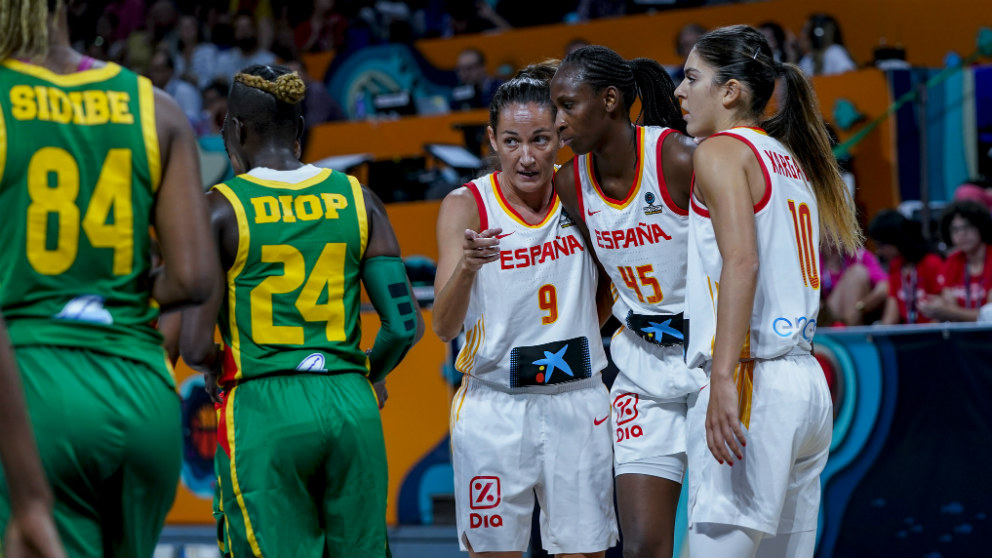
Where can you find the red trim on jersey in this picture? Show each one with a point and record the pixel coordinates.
(635, 187)
(576, 163)
(483, 216)
(764, 170)
(662, 185)
(513, 212)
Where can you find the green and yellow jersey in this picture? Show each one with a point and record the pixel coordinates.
(293, 291)
(79, 168)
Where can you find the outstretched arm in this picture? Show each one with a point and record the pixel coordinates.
(189, 265)
(385, 279)
(31, 529)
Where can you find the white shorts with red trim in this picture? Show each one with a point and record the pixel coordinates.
(789, 423)
(510, 448)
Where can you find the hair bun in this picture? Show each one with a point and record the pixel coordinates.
(289, 88)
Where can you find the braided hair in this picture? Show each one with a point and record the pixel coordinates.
(267, 98)
(643, 78)
(24, 27)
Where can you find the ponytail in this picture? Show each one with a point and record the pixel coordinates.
(655, 87)
(600, 67)
(741, 52)
(798, 125)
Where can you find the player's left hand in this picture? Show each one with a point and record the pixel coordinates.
(724, 431)
(380, 392)
(31, 532)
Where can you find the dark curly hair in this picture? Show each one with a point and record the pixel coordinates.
(973, 212)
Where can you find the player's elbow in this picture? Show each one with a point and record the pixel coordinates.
(445, 332)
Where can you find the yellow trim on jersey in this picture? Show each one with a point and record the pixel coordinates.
(252, 541)
(744, 376)
(360, 211)
(244, 237)
(3, 145)
(474, 339)
(456, 404)
(85, 77)
(317, 178)
(513, 214)
(632, 195)
(146, 104)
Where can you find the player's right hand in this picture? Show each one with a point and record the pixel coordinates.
(480, 248)
(31, 533)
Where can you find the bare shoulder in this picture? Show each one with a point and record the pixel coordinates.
(720, 151)
(169, 117)
(564, 184)
(460, 209)
(679, 148)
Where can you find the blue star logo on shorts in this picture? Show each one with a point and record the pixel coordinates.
(658, 331)
(553, 361)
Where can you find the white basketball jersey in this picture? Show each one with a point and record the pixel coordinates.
(532, 317)
(787, 295)
(640, 240)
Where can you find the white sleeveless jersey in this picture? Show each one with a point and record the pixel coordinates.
(787, 295)
(532, 318)
(641, 240)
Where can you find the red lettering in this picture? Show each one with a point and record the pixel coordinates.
(771, 157)
(521, 255)
(547, 252)
(506, 259)
(573, 244)
(617, 238)
(631, 239)
(535, 253)
(658, 232)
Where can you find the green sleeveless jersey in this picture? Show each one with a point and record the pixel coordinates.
(79, 168)
(293, 291)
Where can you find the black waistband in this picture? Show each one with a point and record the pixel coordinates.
(658, 329)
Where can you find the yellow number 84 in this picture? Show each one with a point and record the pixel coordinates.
(112, 195)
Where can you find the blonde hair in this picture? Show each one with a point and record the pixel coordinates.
(24, 28)
(287, 88)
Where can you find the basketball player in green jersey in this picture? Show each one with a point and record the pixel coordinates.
(301, 463)
(91, 156)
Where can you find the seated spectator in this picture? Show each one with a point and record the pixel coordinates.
(823, 44)
(966, 277)
(913, 268)
(324, 30)
(162, 72)
(684, 41)
(471, 16)
(475, 86)
(782, 42)
(318, 105)
(214, 106)
(194, 59)
(246, 51)
(853, 288)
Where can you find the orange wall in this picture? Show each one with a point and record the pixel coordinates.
(927, 28)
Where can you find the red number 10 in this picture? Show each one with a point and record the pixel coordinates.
(802, 223)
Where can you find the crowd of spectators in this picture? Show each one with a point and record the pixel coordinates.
(945, 278)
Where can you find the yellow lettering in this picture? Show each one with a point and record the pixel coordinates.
(287, 209)
(78, 116)
(119, 111)
(307, 207)
(22, 99)
(97, 107)
(61, 106)
(334, 202)
(266, 209)
(43, 112)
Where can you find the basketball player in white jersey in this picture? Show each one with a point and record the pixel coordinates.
(763, 194)
(531, 417)
(630, 184)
